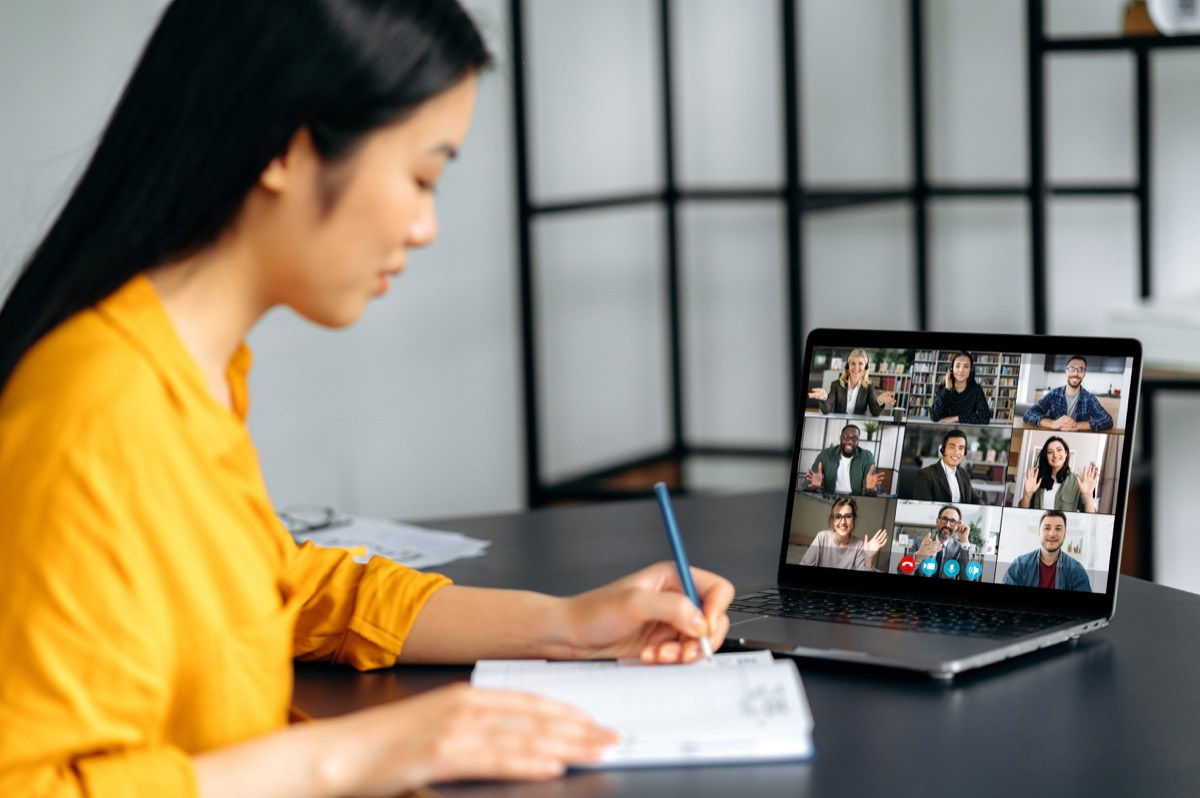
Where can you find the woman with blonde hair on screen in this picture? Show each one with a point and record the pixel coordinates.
(852, 392)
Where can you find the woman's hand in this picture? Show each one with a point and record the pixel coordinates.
(818, 393)
(949, 381)
(1032, 481)
(871, 546)
(1087, 481)
(886, 397)
(459, 732)
(647, 615)
(1087, 486)
(873, 543)
(452, 733)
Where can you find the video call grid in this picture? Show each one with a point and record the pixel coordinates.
(891, 383)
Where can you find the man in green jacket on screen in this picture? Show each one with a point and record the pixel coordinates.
(844, 468)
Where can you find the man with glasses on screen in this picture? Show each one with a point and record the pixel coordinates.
(844, 467)
(1071, 407)
(947, 544)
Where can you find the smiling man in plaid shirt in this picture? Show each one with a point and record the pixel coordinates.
(1070, 408)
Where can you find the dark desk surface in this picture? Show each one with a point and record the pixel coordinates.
(1115, 713)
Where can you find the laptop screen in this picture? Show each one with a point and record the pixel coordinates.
(998, 464)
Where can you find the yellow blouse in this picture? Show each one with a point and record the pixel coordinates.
(151, 601)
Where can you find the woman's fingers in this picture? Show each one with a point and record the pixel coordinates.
(455, 733)
(503, 734)
(665, 652)
(681, 622)
(716, 594)
(636, 614)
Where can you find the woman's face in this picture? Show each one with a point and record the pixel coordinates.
(327, 261)
(843, 520)
(1056, 455)
(857, 366)
(961, 368)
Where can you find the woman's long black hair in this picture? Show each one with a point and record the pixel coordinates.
(1047, 477)
(219, 91)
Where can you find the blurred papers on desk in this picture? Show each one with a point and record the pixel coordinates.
(743, 707)
(411, 545)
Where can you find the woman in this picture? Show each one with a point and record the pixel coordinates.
(154, 602)
(853, 390)
(1051, 485)
(960, 400)
(836, 547)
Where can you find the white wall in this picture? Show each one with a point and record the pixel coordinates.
(1177, 242)
(416, 411)
(62, 66)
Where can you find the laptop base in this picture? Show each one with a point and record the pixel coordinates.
(939, 656)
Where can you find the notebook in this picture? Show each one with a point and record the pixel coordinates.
(743, 707)
(955, 500)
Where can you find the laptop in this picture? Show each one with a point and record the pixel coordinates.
(956, 499)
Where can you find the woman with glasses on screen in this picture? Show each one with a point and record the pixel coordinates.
(836, 547)
(960, 399)
(852, 392)
(264, 154)
(1052, 485)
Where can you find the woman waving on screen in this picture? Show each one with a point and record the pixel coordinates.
(1051, 485)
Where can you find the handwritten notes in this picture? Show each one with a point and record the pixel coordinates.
(743, 707)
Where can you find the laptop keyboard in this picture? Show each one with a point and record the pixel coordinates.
(893, 613)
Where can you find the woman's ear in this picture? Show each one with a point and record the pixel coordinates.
(283, 167)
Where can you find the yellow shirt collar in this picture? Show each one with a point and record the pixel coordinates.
(136, 311)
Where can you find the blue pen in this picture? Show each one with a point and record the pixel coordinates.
(681, 560)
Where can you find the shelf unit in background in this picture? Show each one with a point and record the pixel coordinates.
(1138, 558)
(634, 478)
(996, 373)
(899, 384)
(1040, 47)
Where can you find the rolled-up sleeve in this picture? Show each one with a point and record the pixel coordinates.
(353, 613)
